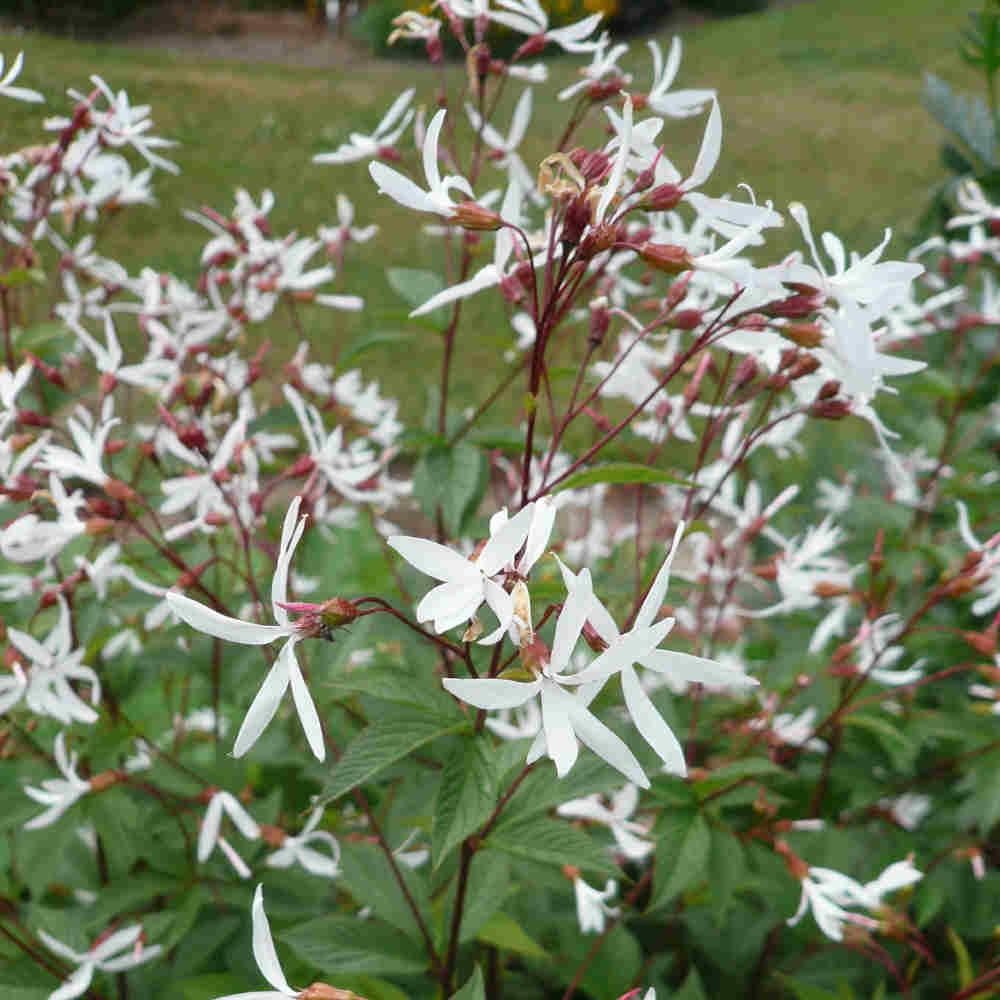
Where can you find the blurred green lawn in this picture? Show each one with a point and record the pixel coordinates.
(820, 102)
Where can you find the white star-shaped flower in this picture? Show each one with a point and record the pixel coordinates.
(285, 672)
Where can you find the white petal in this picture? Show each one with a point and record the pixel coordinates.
(650, 724)
(304, 705)
(450, 604)
(433, 559)
(708, 155)
(696, 669)
(658, 590)
(491, 693)
(500, 549)
(602, 741)
(222, 626)
(76, 985)
(264, 705)
(560, 739)
(502, 605)
(263, 947)
(571, 620)
(209, 832)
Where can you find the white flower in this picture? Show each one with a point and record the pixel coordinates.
(680, 103)
(266, 958)
(17, 93)
(209, 835)
(505, 148)
(638, 645)
(565, 717)
(30, 538)
(467, 583)
(529, 18)
(604, 62)
(591, 907)
(297, 850)
(827, 893)
(85, 462)
(53, 663)
(57, 793)
(628, 834)
(126, 944)
(361, 147)
(285, 670)
(436, 199)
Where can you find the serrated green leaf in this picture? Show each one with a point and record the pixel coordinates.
(452, 479)
(543, 789)
(343, 944)
(506, 933)
(385, 742)
(467, 794)
(371, 881)
(726, 867)
(737, 770)
(551, 842)
(682, 853)
(618, 472)
(900, 750)
(473, 989)
(393, 685)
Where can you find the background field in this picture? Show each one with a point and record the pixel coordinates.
(821, 103)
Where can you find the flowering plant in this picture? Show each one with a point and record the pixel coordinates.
(661, 650)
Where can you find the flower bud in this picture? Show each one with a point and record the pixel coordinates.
(827, 589)
(324, 991)
(666, 257)
(663, 197)
(575, 222)
(745, 372)
(98, 525)
(803, 334)
(105, 780)
(31, 418)
(338, 612)
(828, 389)
(532, 47)
(805, 365)
(469, 215)
(686, 319)
(118, 490)
(830, 409)
(273, 836)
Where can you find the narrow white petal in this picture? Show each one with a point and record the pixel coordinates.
(222, 626)
(559, 736)
(209, 832)
(76, 985)
(431, 558)
(650, 724)
(658, 590)
(263, 947)
(304, 705)
(502, 546)
(491, 693)
(571, 620)
(602, 741)
(711, 146)
(264, 705)
(696, 669)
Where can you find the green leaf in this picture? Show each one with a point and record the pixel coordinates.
(736, 771)
(618, 472)
(682, 854)
(467, 794)
(543, 790)
(453, 479)
(506, 933)
(416, 286)
(382, 338)
(277, 418)
(691, 988)
(551, 842)
(726, 867)
(900, 750)
(18, 276)
(962, 959)
(473, 989)
(806, 991)
(392, 684)
(208, 986)
(371, 881)
(968, 120)
(383, 743)
(343, 944)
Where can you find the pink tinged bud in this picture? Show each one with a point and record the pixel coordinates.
(686, 319)
(803, 334)
(31, 418)
(118, 490)
(105, 780)
(777, 382)
(693, 387)
(390, 154)
(534, 45)
(830, 409)
(666, 257)
(534, 656)
(98, 525)
(978, 867)
(469, 215)
(796, 306)
(602, 90)
(592, 639)
(663, 198)
(745, 372)
(107, 383)
(828, 389)
(435, 50)
(576, 221)
(512, 290)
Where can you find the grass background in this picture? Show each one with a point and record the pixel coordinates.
(820, 101)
